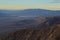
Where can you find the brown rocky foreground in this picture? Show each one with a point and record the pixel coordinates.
(50, 33)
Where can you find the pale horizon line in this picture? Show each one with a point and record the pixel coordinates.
(30, 8)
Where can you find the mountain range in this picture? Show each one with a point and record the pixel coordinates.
(30, 13)
(30, 24)
(34, 29)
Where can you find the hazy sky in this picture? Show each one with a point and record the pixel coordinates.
(27, 4)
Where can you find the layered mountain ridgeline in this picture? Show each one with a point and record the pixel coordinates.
(50, 33)
(36, 29)
(29, 13)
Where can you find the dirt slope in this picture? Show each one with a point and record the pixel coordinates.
(50, 33)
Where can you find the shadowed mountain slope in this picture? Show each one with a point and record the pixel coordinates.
(50, 33)
(38, 31)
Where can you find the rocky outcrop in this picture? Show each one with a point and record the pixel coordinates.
(50, 33)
